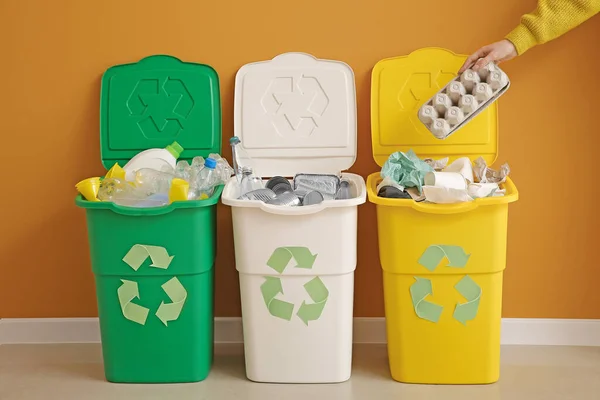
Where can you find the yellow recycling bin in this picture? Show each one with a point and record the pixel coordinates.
(442, 264)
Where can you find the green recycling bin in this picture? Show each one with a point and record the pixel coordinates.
(154, 266)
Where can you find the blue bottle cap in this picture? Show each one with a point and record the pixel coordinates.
(210, 163)
(234, 140)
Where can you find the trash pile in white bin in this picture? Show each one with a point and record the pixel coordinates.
(302, 190)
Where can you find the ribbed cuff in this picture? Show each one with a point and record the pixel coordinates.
(522, 38)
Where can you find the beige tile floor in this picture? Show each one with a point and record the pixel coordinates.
(74, 371)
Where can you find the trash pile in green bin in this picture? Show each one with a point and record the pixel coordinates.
(154, 178)
(406, 176)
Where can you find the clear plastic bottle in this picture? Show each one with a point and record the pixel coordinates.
(344, 192)
(241, 159)
(206, 180)
(183, 170)
(152, 181)
(120, 192)
(196, 167)
(250, 181)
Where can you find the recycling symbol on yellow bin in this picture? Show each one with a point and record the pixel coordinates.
(128, 291)
(315, 288)
(471, 291)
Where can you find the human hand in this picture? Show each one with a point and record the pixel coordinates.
(497, 52)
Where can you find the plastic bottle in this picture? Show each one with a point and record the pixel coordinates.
(183, 170)
(241, 159)
(250, 181)
(154, 159)
(152, 181)
(206, 180)
(224, 170)
(120, 192)
(344, 192)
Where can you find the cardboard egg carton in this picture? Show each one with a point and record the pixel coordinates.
(462, 99)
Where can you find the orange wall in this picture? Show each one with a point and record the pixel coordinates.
(54, 53)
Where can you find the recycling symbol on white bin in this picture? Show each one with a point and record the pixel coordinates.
(315, 288)
(295, 104)
(128, 291)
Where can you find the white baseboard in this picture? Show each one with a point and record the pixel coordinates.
(515, 331)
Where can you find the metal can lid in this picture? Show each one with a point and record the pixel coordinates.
(312, 198)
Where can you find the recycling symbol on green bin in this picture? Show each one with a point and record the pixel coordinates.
(161, 106)
(128, 291)
(315, 288)
(471, 291)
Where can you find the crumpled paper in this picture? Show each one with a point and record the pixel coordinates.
(481, 190)
(444, 195)
(483, 174)
(437, 165)
(463, 166)
(406, 169)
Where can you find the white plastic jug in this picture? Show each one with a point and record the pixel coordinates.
(153, 158)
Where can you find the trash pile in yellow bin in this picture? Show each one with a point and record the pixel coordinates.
(154, 178)
(406, 176)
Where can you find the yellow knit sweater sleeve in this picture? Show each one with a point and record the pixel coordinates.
(551, 19)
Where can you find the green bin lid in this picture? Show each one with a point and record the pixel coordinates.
(156, 101)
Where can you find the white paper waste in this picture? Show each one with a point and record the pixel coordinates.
(483, 174)
(450, 180)
(463, 166)
(442, 195)
(437, 165)
(481, 190)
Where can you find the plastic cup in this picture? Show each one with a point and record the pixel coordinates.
(179, 190)
(116, 172)
(89, 188)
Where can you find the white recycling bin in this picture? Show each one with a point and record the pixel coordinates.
(297, 114)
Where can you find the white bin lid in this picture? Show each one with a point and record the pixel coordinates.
(297, 114)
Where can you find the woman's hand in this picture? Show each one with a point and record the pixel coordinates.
(497, 52)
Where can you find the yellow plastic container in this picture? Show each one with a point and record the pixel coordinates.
(442, 264)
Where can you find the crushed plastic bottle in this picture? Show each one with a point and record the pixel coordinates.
(120, 192)
(151, 181)
(183, 170)
(196, 167)
(224, 170)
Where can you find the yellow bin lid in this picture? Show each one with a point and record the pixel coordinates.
(400, 86)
